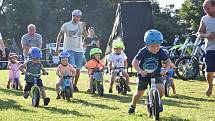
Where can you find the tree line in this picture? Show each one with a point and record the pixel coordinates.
(49, 15)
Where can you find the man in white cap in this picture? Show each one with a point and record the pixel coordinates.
(73, 32)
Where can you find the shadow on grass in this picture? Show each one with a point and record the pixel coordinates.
(121, 98)
(172, 118)
(181, 103)
(49, 88)
(179, 96)
(85, 103)
(11, 91)
(65, 111)
(6, 104)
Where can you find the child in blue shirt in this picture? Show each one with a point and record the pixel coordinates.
(34, 66)
(149, 57)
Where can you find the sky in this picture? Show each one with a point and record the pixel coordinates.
(177, 3)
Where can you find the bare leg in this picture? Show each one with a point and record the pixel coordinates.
(136, 97)
(77, 76)
(209, 77)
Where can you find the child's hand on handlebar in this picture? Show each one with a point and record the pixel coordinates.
(143, 73)
(164, 72)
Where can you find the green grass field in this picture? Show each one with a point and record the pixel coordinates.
(191, 104)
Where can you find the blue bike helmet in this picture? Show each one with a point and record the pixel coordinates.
(153, 37)
(35, 53)
(64, 54)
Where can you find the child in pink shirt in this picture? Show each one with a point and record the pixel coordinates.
(13, 67)
(64, 69)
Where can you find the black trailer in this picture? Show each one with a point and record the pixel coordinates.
(132, 20)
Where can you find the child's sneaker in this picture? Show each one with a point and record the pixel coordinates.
(25, 95)
(58, 97)
(131, 109)
(110, 90)
(89, 91)
(46, 101)
(161, 107)
(8, 86)
(129, 89)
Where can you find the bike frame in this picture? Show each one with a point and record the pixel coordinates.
(35, 82)
(153, 88)
(66, 83)
(15, 77)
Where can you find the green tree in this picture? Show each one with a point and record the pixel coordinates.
(191, 13)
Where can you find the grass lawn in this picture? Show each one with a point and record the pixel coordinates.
(191, 104)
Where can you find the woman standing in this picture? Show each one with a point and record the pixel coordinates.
(90, 42)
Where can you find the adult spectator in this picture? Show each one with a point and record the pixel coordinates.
(90, 42)
(73, 33)
(31, 39)
(207, 31)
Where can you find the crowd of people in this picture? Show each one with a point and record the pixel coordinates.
(78, 42)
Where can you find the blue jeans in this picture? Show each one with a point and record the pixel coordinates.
(76, 59)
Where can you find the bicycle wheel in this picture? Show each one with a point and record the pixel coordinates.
(35, 96)
(100, 89)
(67, 93)
(118, 88)
(156, 105)
(16, 81)
(167, 89)
(94, 87)
(123, 86)
(186, 68)
(149, 109)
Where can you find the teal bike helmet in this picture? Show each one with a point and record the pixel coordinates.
(153, 37)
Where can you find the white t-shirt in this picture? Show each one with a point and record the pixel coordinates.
(0, 36)
(117, 60)
(73, 36)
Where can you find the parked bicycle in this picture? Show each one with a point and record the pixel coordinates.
(187, 67)
(178, 50)
(66, 91)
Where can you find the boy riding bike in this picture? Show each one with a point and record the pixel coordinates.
(64, 69)
(94, 64)
(118, 59)
(34, 66)
(149, 56)
(13, 67)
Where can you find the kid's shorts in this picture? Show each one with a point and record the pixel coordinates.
(143, 82)
(210, 61)
(28, 85)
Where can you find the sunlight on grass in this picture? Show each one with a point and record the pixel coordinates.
(190, 104)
